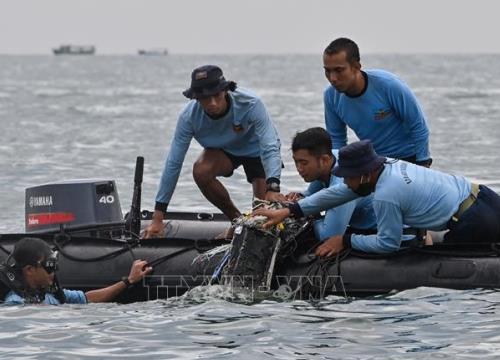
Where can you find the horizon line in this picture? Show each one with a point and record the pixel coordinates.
(253, 53)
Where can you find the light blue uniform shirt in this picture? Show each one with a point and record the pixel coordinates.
(246, 130)
(357, 213)
(72, 297)
(405, 194)
(387, 113)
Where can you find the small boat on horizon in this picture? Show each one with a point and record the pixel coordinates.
(74, 50)
(153, 52)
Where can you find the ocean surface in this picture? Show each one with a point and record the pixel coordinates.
(67, 118)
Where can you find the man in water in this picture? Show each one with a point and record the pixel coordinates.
(403, 193)
(234, 128)
(29, 274)
(375, 104)
(314, 160)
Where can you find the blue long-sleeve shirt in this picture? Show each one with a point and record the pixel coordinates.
(357, 213)
(72, 297)
(405, 194)
(246, 130)
(387, 113)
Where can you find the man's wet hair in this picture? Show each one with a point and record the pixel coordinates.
(344, 44)
(29, 250)
(315, 140)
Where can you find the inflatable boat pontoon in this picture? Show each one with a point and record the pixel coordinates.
(83, 221)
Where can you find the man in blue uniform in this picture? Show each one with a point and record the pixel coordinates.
(403, 193)
(314, 160)
(234, 128)
(375, 104)
(29, 273)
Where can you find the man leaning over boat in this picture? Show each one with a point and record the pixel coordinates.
(234, 128)
(403, 193)
(315, 161)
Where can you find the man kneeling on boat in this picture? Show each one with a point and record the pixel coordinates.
(29, 273)
(234, 128)
(403, 193)
(315, 161)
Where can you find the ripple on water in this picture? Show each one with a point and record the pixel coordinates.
(91, 122)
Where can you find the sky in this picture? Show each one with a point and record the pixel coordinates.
(250, 26)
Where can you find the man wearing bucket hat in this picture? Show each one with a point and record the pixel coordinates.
(403, 193)
(28, 277)
(234, 128)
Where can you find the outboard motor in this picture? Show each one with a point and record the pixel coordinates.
(82, 206)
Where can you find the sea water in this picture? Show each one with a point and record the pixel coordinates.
(69, 117)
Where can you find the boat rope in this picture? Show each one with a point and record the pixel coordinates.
(318, 275)
(4, 250)
(60, 247)
(169, 256)
(198, 246)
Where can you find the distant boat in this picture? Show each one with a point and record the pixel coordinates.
(74, 50)
(153, 52)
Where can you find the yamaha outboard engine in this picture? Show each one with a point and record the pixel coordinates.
(86, 207)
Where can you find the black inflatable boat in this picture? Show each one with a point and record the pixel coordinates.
(83, 221)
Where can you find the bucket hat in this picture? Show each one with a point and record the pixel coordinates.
(356, 159)
(207, 80)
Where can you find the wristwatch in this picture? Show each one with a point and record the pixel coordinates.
(127, 282)
(273, 185)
